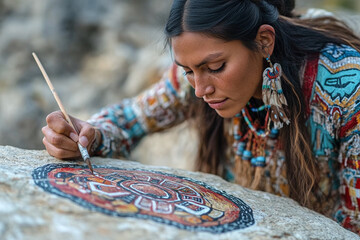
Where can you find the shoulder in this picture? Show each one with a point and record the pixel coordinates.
(339, 56)
(338, 78)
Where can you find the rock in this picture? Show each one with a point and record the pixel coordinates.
(29, 212)
(160, 146)
(95, 53)
(147, 70)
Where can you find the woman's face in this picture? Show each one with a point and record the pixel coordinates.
(225, 74)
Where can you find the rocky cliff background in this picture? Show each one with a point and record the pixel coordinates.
(96, 53)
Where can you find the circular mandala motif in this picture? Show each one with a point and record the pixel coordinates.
(161, 197)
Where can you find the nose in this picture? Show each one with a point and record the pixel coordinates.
(203, 86)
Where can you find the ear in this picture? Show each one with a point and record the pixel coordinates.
(265, 38)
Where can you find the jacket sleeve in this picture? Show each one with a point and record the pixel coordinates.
(349, 156)
(161, 106)
(338, 98)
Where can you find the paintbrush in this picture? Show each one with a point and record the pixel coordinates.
(84, 153)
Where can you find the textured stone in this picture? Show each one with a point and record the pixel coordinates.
(28, 212)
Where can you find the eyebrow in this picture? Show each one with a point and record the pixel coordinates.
(206, 60)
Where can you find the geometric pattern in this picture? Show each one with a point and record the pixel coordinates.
(161, 197)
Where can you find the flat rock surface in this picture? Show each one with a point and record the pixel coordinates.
(29, 212)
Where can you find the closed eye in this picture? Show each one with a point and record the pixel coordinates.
(187, 73)
(218, 69)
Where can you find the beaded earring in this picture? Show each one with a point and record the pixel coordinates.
(273, 94)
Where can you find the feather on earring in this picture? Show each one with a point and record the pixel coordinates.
(273, 94)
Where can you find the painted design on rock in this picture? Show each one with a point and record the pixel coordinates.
(174, 200)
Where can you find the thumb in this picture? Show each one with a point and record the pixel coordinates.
(83, 140)
(86, 135)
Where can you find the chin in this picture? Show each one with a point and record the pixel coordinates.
(226, 114)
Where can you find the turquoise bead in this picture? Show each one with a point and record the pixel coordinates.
(240, 148)
(247, 155)
(258, 161)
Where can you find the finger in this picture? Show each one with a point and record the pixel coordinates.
(57, 122)
(59, 140)
(58, 152)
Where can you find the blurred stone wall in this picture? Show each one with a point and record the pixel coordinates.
(95, 53)
(332, 5)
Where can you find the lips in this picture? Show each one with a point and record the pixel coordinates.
(217, 103)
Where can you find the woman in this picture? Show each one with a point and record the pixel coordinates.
(287, 88)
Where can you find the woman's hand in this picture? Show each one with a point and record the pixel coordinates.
(60, 139)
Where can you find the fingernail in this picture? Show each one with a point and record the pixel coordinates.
(74, 137)
(84, 141)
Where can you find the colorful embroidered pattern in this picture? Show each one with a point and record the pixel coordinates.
(160, 107)
(338, 75)
(334, 123)
(161, 197)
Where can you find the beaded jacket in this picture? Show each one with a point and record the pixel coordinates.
(331, 89)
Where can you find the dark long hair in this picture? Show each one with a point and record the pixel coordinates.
(296, 41)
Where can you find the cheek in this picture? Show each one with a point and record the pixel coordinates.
(232, 79)
(240, 75)
(191, 80)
